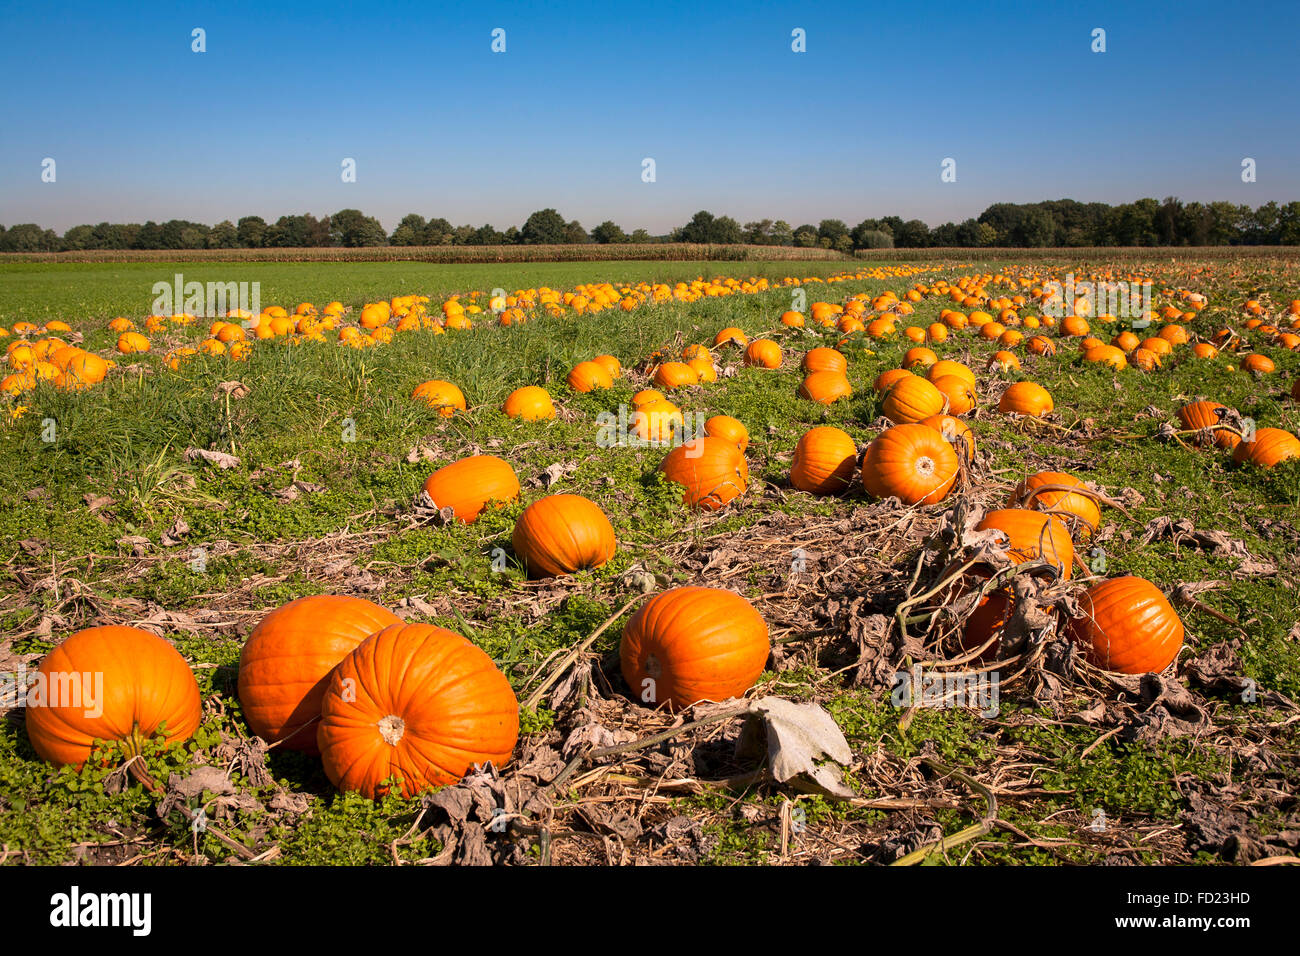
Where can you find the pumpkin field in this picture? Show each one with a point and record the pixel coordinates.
(970, 559)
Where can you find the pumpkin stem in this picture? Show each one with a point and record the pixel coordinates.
(925, 466)
(392, 728)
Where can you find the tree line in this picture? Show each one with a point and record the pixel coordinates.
(1057, 223)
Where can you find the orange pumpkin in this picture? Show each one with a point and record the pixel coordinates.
(444, 396)
(912, 462)
(112, 684)
(693, 644)
(912, 399)
(1080, 505)
(466, 486)
(954, 431)
(825, 388)
(1200, 415)
(958, 392)
(711, 471)
(588, 376)
(1127, 626)
(673, 375)
(763, 353)
(561, 534)
(1031, 535)
(728, 429)
(530, 403)
(824, 460)
(824, 359)
(418, 702)
(286, 661)
(1271, 446)
(1026, 398)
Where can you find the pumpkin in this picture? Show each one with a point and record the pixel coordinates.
(466, 486)
(703, 367)
(1127, 626)
(959, 393)
(286, 661)
(1126, 340)
(728, 429)
(949, 367)
(885, 380)
(731, 336)
(824, 461)
(953, 430)
(1026, 398)
(1200, 415)
(1204, 350)
(658, 422)
(561, 534)
(114, 684)
(415, 701)
(914, 463)
(1004, 360)
(825, 388)
(610, 364)
(692, 644)
(1041, 345)
(646, 396)
(1144, 359)
(1271, 445)
(672, 375)
(919, 356)
(1106, 355)
(1031, 535)
(988, 619)
(823, 359)
(764, 353)
(1081, 505)
(588, 376)
(131, 342)
(711, 471)
(532, 403)
(912, 399)
(444, 396)
(1259, 364)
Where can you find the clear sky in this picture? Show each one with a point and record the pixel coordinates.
(143, 128)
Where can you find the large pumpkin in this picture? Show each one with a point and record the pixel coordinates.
(823, 359)
(1026, 398)
(587, 376)
(1200, 415)
(692, 644)
(672, 375)
(113, 684)
(560, 534)
(825, 388)
(824, 461)
(444, 396)
(764, 353)
(286, 661)
(912, 399)
(1076, 503)
(1270, 446)
(728, 428)
(1033, 534)
(1127, 626)
(466, 486)
(710, 470)
(912, 462)
(417, 701)
(532, 403)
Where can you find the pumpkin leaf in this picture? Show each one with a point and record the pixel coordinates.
(798, 734)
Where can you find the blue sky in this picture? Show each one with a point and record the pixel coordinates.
(142, 128)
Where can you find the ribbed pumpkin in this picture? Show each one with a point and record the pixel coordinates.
(731, 336)
(466, 486)
(912, 399)
(532, 403)
(1106, 355)
(887, 378)
(588, 376)
(824, 460)
(693, 644)
(919, 356)
(825, 388)
(1026, 398)
(610, 364)
(1200, 415)
(1127, 626)
(658, 422)
(914, 463)
(960, 394)
(729, 429)
(1271, 445)
(444, 396)
(764, 353)
(114, 684)
(286, 661)
(417, 701)
(1080, 505)
(823, 359)
(561, 534)
(1033, 534)
(711, 471)
(646, 396)
(953, 430)
(672, 375)
(949, 367)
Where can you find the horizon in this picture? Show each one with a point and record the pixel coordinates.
(440, 125)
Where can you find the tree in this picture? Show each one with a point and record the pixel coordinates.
(29, 237)
(77, 238)
(574, 234)
(832, 229)
(223, 235)
(726, 231)
(782, 234)
(353, 228)
(410, 231)
(438, 232)
(640, 235)
(758, 233)
(1035, 229)
(486, 235)
(608, 232)
(874, 239)
(913, 234)
(699, 229)
(251, 231)
(544, 227)
(511, 236)
(805, 236)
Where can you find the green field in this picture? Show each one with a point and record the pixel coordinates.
(88, 535)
